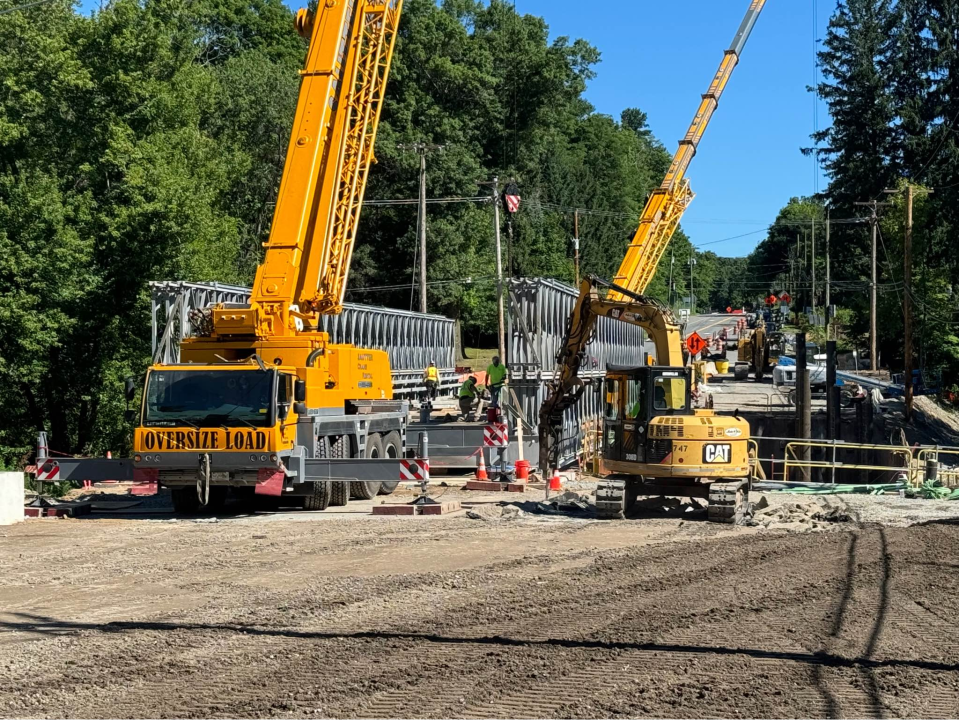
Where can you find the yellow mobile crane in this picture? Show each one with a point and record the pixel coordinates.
(260, 391)
(654, 442)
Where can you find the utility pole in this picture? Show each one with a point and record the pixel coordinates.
(796, 273)
(907, 304)
(422, 230)
(672, 261)
(576, 243)
(828, 276)
(907, 300)
(813, 267)
(692, 297)
(499, 274)
(873, 332)
(421, 149)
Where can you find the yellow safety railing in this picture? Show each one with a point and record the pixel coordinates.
(793, 460)
(949, 477)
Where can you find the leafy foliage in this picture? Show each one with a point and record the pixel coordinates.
(146, 142)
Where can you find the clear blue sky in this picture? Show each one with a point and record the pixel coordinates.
(660, 56)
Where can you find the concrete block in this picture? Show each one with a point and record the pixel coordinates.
(394, 509)
(441, 509)
(11, 497)
(485, 486)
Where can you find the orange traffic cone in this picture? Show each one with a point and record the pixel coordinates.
(555, 482)
(481, 467)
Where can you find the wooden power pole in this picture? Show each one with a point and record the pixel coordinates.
(576, 244)
(907, 354)
(873, 332)
(421, 149)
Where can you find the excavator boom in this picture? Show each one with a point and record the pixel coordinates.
(566, 387)
(669, 201)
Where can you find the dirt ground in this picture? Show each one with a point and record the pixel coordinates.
(499, 615)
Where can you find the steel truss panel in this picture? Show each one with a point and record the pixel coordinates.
(539, 311)
(410, 339)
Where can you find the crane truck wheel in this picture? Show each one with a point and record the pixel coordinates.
(367, 490)
(341, 447)
(319, 499)
(392, 448)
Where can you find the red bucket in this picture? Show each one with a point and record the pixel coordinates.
(522, 470)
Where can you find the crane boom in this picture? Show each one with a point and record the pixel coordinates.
(324, 178)
(669, 201)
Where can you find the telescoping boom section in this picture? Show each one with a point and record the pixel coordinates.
(314, 225)
(669, 201)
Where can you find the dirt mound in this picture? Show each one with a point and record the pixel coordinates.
(800, 514)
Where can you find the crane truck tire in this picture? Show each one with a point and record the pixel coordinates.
(320, 497)
(367, 490)
(340, 447)
(392, 448)
(741, 371)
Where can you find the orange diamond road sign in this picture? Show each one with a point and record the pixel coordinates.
(695, 344)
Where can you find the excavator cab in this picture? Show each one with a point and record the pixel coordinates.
(634, 396)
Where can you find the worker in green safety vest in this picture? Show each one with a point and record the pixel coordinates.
(469, 392)
(497, 375)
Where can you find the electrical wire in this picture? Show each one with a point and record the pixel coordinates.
(7, 11)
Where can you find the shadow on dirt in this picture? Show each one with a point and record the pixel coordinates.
(41, 625)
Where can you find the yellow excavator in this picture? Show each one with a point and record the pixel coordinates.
(653, 441)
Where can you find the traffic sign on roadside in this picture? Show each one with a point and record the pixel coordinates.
(695, 344)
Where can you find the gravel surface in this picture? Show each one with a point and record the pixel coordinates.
(511, 614)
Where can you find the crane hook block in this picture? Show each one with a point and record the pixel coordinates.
(304, 23)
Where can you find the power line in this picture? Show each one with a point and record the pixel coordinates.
(7, 11)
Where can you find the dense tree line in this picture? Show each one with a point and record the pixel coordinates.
(891, 82)
(145, 142)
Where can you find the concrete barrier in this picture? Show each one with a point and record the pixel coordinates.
(11, 497)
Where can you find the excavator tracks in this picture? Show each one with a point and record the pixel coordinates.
(728, 501)
(611, 500)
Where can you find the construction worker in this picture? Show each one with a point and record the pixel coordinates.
(468, 395)
(431, 376)
(497, 376)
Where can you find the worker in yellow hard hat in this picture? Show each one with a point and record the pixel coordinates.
(431, 378)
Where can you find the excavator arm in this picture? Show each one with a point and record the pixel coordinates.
(566, 386)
